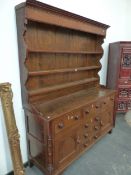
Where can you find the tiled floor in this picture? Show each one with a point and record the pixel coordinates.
(110, 156)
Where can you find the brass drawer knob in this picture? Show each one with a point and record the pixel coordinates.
(86, 144)
(86, 111)
(78, 141)
(112, 99)
(96, 128)
(77, 117)
(97, 106)
(95, 137)
(86, 135)
(61, 125)
(49, 154)
(97, 119)
(86, 125)
(101, 123)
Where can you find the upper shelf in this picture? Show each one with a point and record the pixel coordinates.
(63, 51)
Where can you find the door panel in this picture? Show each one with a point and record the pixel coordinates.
(67, 145)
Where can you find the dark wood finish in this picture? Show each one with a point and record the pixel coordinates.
(119, 74)
(46, 72)
(66, 109)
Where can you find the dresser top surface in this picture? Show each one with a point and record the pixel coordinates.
(63, 105)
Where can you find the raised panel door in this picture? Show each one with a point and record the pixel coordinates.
(67, 145)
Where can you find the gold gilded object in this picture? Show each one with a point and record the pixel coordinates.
(12, 131)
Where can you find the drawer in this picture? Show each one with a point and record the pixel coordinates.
(91, 110)
(99, 106)
(107, 104)
(65, 121)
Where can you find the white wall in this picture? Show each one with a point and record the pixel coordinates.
(116, 13)
(128, 21)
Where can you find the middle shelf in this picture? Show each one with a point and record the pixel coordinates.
(46, 72)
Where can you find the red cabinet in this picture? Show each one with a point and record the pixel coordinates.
(119, 74)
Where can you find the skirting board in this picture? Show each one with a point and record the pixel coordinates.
(12, 172)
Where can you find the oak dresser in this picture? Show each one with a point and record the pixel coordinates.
(66, 109)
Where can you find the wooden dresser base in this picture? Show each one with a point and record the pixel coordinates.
(55, 140)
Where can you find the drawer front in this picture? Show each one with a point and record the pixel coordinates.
(106, 120)
(98, 117)
(84, 115)
(99, 106)
(88, 113)
(108, 103)
(67, 120)
(92, 109)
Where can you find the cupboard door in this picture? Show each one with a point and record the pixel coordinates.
(67, 146)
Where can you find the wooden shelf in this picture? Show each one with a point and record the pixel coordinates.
(55, 71)
(64, 52)
(61, 86)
